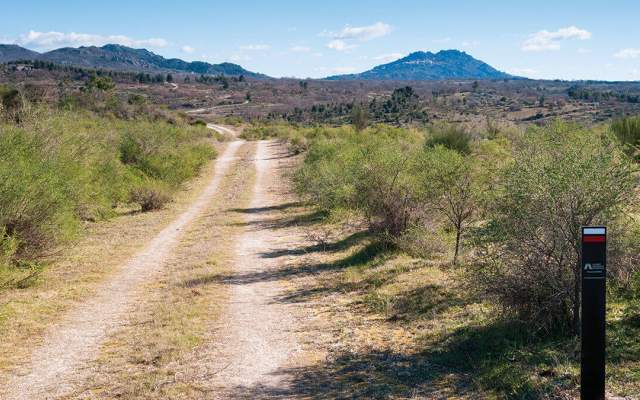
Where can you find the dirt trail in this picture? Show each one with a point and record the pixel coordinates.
(61, 360)
(258, 338)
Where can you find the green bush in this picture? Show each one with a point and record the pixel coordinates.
(37, 195)
(165, 152)
(627, 130)
(562, 177)
(375, 172)
(450, 136)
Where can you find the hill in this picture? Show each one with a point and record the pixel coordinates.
(421, 66)
(12, 52)
(122, 58)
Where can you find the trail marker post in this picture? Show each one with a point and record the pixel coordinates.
(594, 270)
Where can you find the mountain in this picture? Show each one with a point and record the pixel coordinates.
(420, 66)
(12, 52)
(117, 57)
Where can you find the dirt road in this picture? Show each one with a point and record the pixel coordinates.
(76, 340)
(249, 347)
(258, 336)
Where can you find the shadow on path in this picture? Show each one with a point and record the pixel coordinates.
(449, 369)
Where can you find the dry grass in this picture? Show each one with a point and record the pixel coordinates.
(159, 352)
(72, 275)
(398, 327)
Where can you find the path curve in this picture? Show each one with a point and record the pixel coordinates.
(58, 363)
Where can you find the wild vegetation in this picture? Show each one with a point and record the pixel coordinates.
(460, 201)
(503, 212)
(78, 162)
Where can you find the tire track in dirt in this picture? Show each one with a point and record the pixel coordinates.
(69, 346)
(258, 338)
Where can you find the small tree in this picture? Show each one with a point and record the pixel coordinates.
(359, 117)
(561, 178)
(448, 177)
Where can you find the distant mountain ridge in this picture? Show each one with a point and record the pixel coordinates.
(13, 52)
(123, 58)
(420, 65)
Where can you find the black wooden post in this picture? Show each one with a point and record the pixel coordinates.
(594, 270)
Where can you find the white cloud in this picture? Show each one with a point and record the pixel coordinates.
(255, 47)
(343, 39)
(545, 40)
(52, 40)
(340, 45)
(362, 33)
(188, 49)
(628, 53)
(389, 57)
(300, 49)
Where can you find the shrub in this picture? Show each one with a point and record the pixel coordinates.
(359, 117)
(150, 197)
(375, 173)
(168, 153)
(627, 130)
(36, 194)
(561, 178)
(450, 136)
(11, 102)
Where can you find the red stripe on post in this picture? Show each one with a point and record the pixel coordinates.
(594, 239)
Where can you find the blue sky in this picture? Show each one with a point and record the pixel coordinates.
(539, 39)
